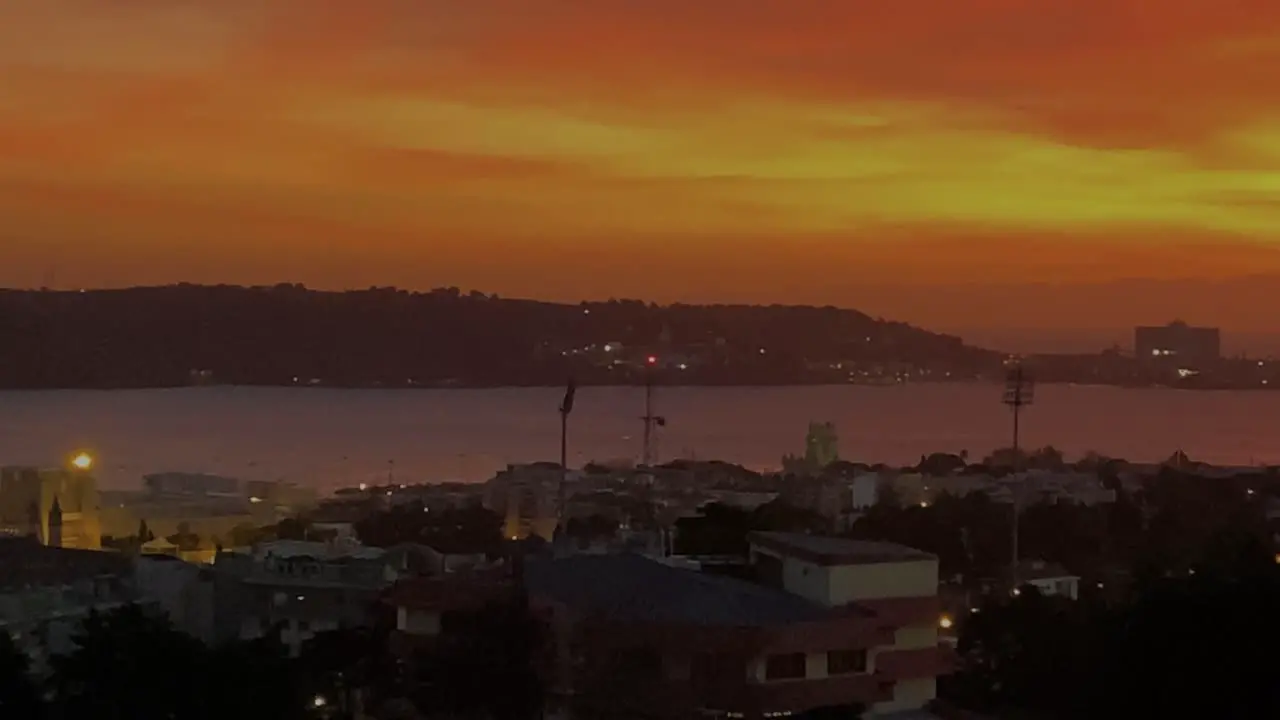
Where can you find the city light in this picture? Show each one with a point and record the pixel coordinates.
(652, 360)
(945, 622)
(82, 461)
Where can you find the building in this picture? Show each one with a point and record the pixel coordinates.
(827, 625)
(184, 591)
(527, 498)
(186, 485)
(29, 497)
(1049, 579)
(896, 585)
(1179, 344)
(45, 592)
(302, 588)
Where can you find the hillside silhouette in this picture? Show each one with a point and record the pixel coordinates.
(287, 335)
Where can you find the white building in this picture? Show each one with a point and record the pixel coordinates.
(1049, 579)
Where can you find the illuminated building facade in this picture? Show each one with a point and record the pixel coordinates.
(31, 497)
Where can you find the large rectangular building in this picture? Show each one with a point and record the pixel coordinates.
(827, 624)
(1179, 343)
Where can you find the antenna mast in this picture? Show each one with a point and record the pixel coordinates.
(1019, 392)
(649, 454)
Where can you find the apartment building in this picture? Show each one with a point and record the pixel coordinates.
(829, 624)
(46, 592)
(302, 588)
(895, 589)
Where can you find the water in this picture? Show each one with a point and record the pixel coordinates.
(329, 438)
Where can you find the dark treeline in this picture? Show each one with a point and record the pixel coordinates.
(1177, 615)
(131, 664)
(1200, 644)
(284, 335)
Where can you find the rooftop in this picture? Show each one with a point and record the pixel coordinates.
(287, 549)
(1030, 570)
(26, 563)
(837, 551)
(636, 589)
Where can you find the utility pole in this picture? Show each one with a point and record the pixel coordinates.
(651, 421)
(1019, 392)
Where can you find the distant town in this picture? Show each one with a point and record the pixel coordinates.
(690, 588)
(386, 338)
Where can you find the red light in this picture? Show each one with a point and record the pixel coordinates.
(653, 360)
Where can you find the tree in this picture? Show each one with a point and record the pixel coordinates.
(1041, 657)
(19, 693)
(471, 528)
(247, 535)
(292, 529)
(351, 668)
(129, 664)
(184, 539)
(501, 645)
(1033, 654)
(132, 664)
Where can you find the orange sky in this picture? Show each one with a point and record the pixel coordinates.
(955, 163)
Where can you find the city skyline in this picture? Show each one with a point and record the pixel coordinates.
(955, 165)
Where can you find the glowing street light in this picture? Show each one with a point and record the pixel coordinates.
(945, 622)
(82, 461)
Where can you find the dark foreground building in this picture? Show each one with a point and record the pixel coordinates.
(829, 624)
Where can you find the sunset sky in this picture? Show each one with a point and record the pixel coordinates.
(953, 163)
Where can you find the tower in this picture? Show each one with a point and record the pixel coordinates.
(55, 524)
(649, 454)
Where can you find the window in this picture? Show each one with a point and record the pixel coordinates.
(785, 667)
(846, 662)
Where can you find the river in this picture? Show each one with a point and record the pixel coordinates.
(328, 438)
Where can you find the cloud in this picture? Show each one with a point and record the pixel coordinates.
(593, 125)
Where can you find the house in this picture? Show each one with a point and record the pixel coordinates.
(1050, 579)
(302, 588)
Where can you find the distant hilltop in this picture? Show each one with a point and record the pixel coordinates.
(383, 337)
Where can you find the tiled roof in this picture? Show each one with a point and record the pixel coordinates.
(637, 589)
(837, 551)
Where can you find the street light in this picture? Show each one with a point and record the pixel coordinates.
(82, 461)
